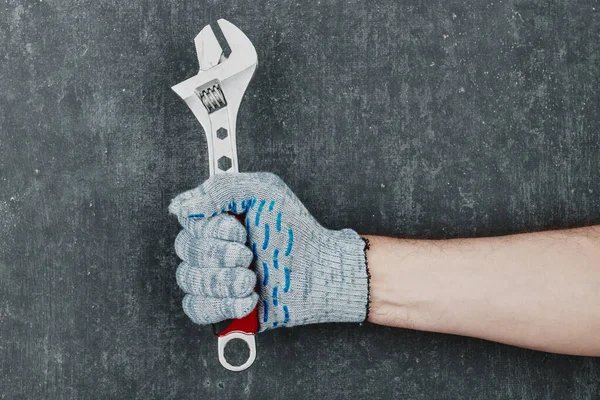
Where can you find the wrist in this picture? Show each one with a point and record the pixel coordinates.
(396, 297)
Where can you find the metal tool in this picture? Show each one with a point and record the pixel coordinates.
(214, 96)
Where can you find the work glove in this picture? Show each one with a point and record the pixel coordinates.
(305, 273)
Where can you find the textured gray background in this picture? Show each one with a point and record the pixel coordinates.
(427, 119)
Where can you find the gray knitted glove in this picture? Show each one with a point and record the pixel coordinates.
(306, 273)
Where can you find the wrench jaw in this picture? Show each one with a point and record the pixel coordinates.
(208, 49)
(243, 54)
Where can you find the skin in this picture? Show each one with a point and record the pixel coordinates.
(536, 290)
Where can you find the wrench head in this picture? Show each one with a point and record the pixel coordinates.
(232, 72)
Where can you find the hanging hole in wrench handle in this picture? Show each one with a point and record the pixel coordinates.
(222, 342)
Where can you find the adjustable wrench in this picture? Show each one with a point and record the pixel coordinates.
(214, 96)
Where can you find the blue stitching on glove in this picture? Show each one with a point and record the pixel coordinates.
(286, 314)
(279, 222)
(275, 260)
(271, 205)
(290, 242)
(196, 216)
(260, 208)
(266, 242)
(235, 207)
(266, 273)
(275, 324)
(286, 271)
(215, 213)
(255, 256)
(275, 296)
(266, 314)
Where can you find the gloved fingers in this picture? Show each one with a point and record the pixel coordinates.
(209, 310)
(228, 192)
(222, 226)
(215, 282)
(212, 253)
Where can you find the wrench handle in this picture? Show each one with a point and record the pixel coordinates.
(247, 324)
(241, 329)
(223, 156)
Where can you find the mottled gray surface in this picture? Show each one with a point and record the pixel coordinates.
(429, 119)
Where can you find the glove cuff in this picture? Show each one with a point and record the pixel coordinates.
(340, 281)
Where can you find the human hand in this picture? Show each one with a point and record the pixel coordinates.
(305, 272)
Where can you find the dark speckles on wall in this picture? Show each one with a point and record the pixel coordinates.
(422, 119)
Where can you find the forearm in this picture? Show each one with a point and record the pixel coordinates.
(536, 290)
